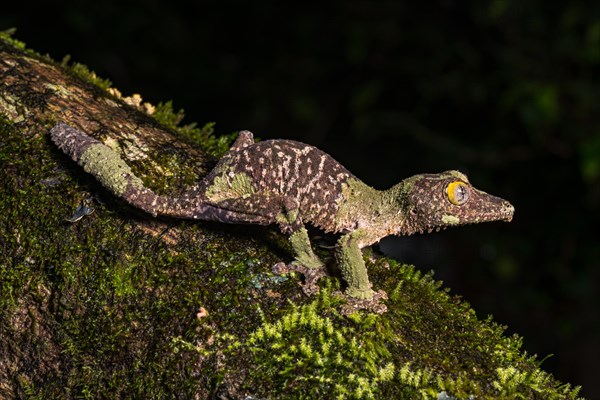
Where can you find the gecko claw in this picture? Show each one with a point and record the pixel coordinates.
(373, 304)
(311, 275)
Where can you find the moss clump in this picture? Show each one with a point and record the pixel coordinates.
(87, 75)
(7, 36)
(313, 352)
(429, 345)
(216, 146)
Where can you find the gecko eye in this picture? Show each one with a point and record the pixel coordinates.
(458, 193)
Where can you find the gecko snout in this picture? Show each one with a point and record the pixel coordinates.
(508, 211)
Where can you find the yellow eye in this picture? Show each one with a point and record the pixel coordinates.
(458, 193)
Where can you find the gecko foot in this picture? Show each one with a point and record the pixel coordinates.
(311, 275)
(373, 304)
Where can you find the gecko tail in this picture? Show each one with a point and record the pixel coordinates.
(115, 175)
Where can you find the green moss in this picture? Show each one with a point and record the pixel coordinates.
(312, 352)
(216, 146)
(87, 75)
(450, 350)
(21, 238)
(176, 171)
(7, 36)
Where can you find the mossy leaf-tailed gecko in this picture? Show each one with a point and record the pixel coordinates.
(290, 184)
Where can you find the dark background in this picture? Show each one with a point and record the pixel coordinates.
(506, 91)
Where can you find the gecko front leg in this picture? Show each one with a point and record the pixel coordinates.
(359, 293)
(303, 252)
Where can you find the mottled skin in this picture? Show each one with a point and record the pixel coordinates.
(291, 184)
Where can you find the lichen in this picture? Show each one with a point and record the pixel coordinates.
(14, 108)
(106, 165)
(357, 198)
(450, 219)
(350, 259)
(302, 249)
(59, 90)
(287, 217)
(230, 186)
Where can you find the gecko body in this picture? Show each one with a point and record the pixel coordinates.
(290, 184)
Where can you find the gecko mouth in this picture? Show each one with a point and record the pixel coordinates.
(505, 213)
(489, 208)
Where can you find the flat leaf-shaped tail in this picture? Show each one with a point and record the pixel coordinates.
(114, 174)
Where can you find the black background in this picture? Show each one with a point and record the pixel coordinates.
(504, 90)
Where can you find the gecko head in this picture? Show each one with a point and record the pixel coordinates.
(436, 201)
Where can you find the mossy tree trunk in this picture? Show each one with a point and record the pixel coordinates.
(119, 305)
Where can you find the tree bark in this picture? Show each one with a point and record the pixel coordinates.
(120, 305)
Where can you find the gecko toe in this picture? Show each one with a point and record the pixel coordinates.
(280, 268)
(373, 304)
(311, 275)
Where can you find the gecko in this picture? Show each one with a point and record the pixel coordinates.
(291, 184)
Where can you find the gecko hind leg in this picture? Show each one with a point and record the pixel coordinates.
(266, 209)
(305, 261)
(244, 139)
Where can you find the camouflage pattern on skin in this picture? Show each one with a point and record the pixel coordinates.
(291, 184)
